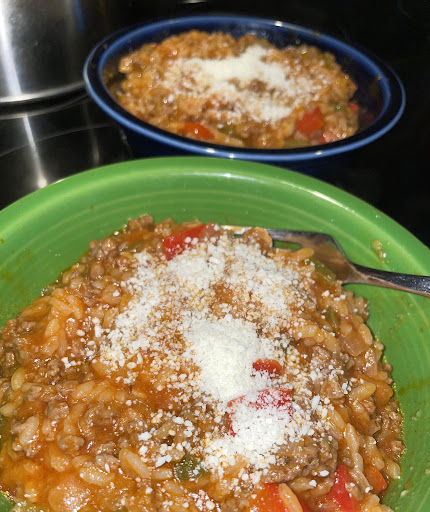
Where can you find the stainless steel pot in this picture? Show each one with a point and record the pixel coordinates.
(44, 43)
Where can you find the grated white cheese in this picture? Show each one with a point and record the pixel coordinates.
(211, 350)
(230, 81)
(225, 350)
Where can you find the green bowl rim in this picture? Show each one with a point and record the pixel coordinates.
(265, 173)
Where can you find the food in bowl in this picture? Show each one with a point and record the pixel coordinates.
(175, 367)
(380, 93)
(242, 92)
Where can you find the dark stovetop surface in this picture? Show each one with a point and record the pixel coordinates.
(44, 142)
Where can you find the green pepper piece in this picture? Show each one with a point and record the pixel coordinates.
(265, 43)
(232, 130)
(189, 468)
(149, 47)
(329, 60)
(5, 503)
(323, 274)
(228, 129)
(337, 107)
(332, 319)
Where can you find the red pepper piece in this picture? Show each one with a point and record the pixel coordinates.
(353, 107)
(311, 122)
(268, 500)
(339, 494)
(270, 366)
(178, 242)
(196, 131)
(375, 479)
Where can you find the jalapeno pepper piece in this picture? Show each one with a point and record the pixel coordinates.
(188, 469)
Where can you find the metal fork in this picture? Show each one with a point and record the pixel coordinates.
(328, 251)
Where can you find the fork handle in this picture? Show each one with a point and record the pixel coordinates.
(409, 283)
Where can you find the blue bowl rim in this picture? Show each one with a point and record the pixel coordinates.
(391, 85)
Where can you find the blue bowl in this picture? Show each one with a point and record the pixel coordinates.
(380, 93)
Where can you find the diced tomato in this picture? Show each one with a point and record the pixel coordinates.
(276, 397)
(268, 500)
(339, 494)
(177, 243)
(375, 479)
(353, 107)
(197, 131)
(311, 122)
(270, 366)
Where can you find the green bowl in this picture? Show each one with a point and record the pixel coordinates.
(45, 232)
